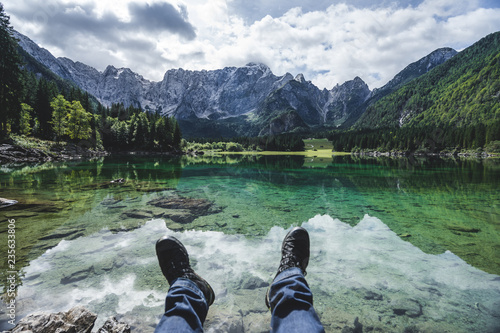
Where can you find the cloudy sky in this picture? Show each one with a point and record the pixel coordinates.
(329, 41)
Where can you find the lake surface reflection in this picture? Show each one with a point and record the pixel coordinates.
(398, 243)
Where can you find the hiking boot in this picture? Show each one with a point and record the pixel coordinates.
(294, 252)
(174, 263)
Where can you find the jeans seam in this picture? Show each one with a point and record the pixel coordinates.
(186, 283)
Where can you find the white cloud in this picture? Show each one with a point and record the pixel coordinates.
(328, 46)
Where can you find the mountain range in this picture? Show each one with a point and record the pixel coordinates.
(234, 101)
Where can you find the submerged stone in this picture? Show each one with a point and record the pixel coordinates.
(253, 282)
(138, 214)
(407, 307)
(77, 276)
(110, 201)
(464, 229)
(184, 209)
(372, 296)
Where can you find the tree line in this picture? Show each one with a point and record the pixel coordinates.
(32, 105)
(426, 139)
(281, 142)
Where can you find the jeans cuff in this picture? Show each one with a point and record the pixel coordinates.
(287, 273)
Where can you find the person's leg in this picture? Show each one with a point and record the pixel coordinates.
(291, 303)
(289, 297)
(189, 296)
(185, 308)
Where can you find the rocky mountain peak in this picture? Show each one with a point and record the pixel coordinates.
(300, 78)
(252, 91)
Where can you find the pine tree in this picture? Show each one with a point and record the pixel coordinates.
(25, 119)
(43, 111)
(177, 136)
(10, 85)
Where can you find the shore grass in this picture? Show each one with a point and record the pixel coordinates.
(28, 142)
(318, 144)
(323, 153)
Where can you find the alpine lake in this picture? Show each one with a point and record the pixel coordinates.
(397, 244)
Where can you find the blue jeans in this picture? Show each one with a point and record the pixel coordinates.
(290, 299)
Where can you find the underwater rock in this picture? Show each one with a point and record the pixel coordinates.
(358, 327)
(137, 214)
(178, 202)
(77, 320)
(408, 307)
(150, 186)
(16, 214)
(253, 282)
(183, 209)
(77, 276)
(372, 296)
(257, 322)
(70, 234)
(181, 216)
(224, 322)
(7, 202)
(110, 201)
(463, 229)
(39, 206)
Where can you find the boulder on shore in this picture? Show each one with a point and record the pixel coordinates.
(76, 320)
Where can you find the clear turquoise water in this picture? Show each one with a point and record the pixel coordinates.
(421, 235)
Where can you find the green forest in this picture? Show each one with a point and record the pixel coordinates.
(50, 108)
(453, 107)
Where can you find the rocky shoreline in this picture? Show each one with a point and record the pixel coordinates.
(423, 154)
(76, 320)
(13, 153)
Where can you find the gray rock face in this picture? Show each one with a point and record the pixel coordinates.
(14, 153)
(233, 91)
(215, 94)
(346, 100)
(113, 326)
(76, 320)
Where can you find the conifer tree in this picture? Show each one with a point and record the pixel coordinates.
(10, 85)
(25, 119)
(177, 136)
(43, 111)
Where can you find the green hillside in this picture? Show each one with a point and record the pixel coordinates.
(458, 103)
(463, 91)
